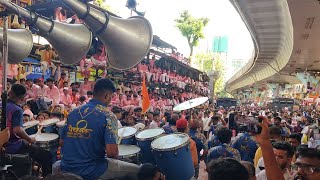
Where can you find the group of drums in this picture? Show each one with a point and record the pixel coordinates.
(170, 153)
(50, 138)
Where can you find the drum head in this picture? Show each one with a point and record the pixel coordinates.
(45, 137)
(127, 131)
(128, 150)
(149, 133)
(169, 142)
(30, 123)
(49, 122)
(61, 123)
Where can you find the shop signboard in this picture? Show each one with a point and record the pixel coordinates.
(36, 69)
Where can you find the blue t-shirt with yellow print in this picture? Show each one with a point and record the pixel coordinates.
(88, 129)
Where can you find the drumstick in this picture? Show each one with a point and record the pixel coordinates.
(120, 138)
(39, 131)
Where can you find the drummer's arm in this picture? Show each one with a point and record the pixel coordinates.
(22, 133)
(112, 150)
(111, 138)
(17, 119)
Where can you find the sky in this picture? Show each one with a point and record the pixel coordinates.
(224, 21)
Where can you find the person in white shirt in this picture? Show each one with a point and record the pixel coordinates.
(283, 152)
(206, 119)
(155, 123)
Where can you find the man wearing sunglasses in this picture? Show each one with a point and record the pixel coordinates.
(307, 165)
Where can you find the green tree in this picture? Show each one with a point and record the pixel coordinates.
(191, 28)
(103, 5)
(204, 61)
(209, 62)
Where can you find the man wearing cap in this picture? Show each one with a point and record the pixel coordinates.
(91, 133)
(182, 127)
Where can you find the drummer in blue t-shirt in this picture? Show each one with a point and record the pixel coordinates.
(90, 134)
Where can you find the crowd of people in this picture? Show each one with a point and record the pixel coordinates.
(287, 147)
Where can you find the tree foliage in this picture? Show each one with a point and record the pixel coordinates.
(191, 28)
(105, 6)
(209, 62)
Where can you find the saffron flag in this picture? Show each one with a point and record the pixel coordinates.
(145, 97)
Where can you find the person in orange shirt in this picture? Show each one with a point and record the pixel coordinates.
(47, 54)
(62, 80)
(75, 96)
(182, 126)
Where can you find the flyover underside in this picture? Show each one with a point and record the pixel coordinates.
(269, 23)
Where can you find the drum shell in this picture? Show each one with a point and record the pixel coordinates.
(51, 146)
(175, 164)
(130, 157)
(130, 140)
(32, 130)
(144, 139)
(50, 129)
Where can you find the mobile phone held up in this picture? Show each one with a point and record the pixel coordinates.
(253, 126)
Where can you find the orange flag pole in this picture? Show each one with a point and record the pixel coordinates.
(145, 97)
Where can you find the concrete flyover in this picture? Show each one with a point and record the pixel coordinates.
(270, 25)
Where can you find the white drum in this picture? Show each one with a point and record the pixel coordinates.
(144, 139)
(127, 134)
(49, 122)
(30, 124)
(48, 141)
(129, 153)
(173, 157)
(149, 134)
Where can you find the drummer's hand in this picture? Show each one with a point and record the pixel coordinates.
(32, 140)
